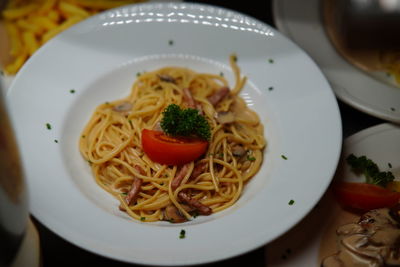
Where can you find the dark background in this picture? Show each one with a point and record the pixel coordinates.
(58, 252)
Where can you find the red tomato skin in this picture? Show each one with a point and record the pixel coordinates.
(364, 197)
(170, 150)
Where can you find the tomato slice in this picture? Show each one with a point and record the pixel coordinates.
(171, 150)
(364, 197)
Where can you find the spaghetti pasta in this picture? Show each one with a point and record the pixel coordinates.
(150, 191)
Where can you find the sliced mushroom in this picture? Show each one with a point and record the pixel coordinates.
(123, 107)
(172, 214)
(373, 241)
(238, 151)
(225, 117)
(166, 78)
(351, 228)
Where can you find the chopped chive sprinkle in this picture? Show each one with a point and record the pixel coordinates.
(284, 157)
(138, 74)
(235, 58)
(171, 42)
(142, 219)
(251, 158)
(72, 91)
(90, 163)
(107, 103)
(392, 109)
(270, 88)
(83, 136)
(390, 165)
(124, 194)
(182, 234)
(291, 202)
(55, 141)
(130, 122)
(48, 126)
(271, 60)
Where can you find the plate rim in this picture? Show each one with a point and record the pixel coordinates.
(339, 89)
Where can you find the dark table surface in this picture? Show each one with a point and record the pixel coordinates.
(56, 251)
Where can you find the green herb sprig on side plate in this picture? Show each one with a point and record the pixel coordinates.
(370, 170)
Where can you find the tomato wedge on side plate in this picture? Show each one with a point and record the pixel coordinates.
(165, 149)
(364, 197)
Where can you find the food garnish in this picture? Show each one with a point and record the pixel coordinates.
(370, 170)
(185, 122)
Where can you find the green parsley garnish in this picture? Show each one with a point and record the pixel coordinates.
(182, 234)
(124, 194)
(284, 157)
(251, 158)
(390, 165)
(90, 163)
(221, 74)
(270, 88)
(185, 122)
(137, 74)
(55, 141)
(171, 42)
(72, 91)
(370, 170)
(142, 219)
(83, 136)
(291, 202)
(271, 60)
(392, 109)
(48, 126)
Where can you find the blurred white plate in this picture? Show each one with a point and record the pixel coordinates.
(300, 246)
(99, 59)
(301, 21)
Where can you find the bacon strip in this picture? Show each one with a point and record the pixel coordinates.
(137, 183)
(199, 168)
(179, 176)
(218, 95)
(189, 100)
(201, 208)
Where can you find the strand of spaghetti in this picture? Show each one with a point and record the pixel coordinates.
(143, 203)
(136, 174)
(174, 200)
(159, 201)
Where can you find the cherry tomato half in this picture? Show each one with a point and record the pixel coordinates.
(171, 150)
(364, 197)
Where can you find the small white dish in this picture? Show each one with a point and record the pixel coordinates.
(301, 245)
(301, 21)
(99, 58)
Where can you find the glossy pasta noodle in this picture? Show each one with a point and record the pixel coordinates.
(111, 143)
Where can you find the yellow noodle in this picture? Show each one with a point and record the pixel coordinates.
(111, 143)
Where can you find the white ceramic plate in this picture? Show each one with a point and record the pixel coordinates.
(99, 59)
(301, 21)
(300, 246)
